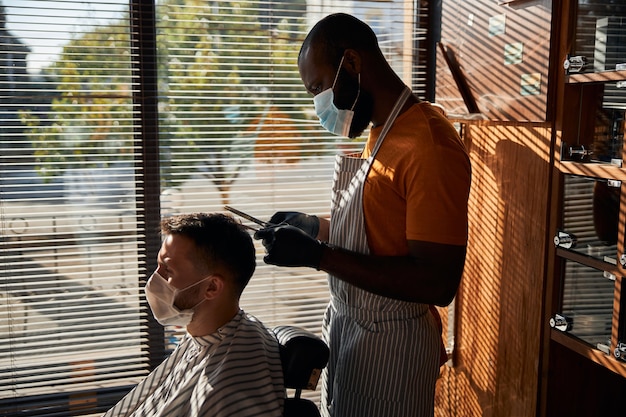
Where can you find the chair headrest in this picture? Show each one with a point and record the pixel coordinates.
(303, 355)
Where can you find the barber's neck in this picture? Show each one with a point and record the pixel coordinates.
(385, 99)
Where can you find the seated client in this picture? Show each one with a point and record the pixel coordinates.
(228, 363)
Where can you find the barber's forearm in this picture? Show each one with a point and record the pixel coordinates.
(324, 231)
(404, 278)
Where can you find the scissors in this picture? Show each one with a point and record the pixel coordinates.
(248, 217)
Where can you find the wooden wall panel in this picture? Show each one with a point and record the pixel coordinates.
(499, 307)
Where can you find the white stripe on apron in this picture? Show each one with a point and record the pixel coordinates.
(383, 351)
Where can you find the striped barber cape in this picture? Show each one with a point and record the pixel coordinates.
(235, 371)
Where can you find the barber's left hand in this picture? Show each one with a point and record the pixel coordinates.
(289, 246)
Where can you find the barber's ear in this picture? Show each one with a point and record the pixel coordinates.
(352, 61)
(215, 287)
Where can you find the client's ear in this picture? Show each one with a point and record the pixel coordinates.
(215, 287)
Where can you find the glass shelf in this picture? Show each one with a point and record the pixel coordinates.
(590, 217)
(597, 77)
(600, 36)
(595, 90)
(587, 303)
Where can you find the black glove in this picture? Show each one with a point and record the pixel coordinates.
(309, 224)
(289, 246)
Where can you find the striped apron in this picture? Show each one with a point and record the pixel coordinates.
(384, 352)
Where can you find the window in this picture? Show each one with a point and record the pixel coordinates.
(115, 113)
(71, 257)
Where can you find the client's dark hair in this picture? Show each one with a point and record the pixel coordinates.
(220, 239)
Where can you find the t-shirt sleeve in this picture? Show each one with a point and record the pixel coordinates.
(437, 189)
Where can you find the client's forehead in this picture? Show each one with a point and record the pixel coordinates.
(176, 248)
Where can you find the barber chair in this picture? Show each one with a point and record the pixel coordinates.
(303, 356)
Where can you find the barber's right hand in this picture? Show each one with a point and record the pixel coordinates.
(289, 246)
(307, 223)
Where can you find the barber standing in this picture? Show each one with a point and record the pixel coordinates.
(396, 239)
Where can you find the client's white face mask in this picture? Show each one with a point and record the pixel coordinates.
(161, 296)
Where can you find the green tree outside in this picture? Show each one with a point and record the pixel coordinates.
(222, 72)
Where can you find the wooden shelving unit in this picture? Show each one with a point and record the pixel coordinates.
(589, 180)
(591, 353)
(597, 77)
(598, 170)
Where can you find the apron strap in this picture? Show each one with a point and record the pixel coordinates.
(390, 119)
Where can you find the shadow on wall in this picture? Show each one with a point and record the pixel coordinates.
(500, 303)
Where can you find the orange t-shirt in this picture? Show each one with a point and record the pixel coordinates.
(419, 183)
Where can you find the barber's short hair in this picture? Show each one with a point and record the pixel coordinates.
(340, 31)
(220, 240)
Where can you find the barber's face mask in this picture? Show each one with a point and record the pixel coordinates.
(161, 296)
(336, 121)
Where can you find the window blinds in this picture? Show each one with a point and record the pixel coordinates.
(235, 126)
(71, 261)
